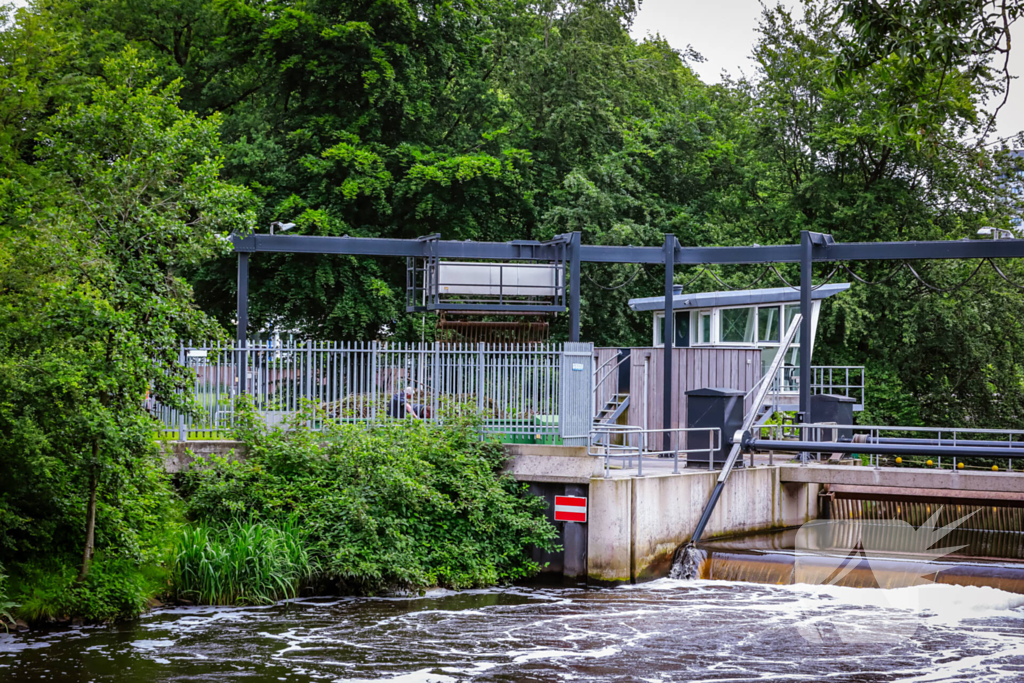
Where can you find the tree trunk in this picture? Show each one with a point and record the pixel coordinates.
(90, 514)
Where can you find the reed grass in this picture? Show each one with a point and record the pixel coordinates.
(246, 562)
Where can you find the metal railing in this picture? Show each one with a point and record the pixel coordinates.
(1007, 443)
(516, 388)
(633, 439)
(841, 380)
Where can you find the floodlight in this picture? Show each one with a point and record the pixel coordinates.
(280, 226)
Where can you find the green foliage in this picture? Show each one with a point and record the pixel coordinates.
(397, 505)
(115, 589)
(5, 605)
(934, 43)
(242, 562)
(92, 305)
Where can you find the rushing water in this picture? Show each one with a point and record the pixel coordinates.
(662, 631)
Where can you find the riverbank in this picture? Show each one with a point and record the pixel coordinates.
(347, 510)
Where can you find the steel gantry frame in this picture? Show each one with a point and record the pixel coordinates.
(813, 248)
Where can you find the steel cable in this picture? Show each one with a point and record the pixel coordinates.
(627, 282)
(814, 288)
(888, 277)
(1003, 275)
(940, 289)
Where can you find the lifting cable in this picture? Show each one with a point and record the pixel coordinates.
(705, 271)
(632, 277)
(885, 279)
(940, 289)
(1003, 275)
(748, 286)
(815, 287)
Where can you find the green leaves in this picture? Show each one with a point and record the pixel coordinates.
(396, 505)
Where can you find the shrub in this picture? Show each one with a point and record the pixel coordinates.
(113, 590)
(242, 563)
(402, 504)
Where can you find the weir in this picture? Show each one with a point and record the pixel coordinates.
(687, 441)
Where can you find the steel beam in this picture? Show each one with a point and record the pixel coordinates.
(669, 337)
(806, 272)
(574, 287)
(242, 313)
(540, 251)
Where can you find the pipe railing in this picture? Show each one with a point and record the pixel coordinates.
(601, 445)
(951, 442)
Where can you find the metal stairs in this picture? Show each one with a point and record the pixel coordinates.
(611, 412)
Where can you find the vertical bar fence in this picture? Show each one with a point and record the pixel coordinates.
(516, 388)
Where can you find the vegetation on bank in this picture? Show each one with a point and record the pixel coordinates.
(134, 139)
(350, 509)
(398, 505)
(242, 562)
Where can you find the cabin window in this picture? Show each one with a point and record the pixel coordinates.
(768, 324)
(736, 325)
(704, 327)
(682, 329)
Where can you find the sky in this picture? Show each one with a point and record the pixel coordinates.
(724, 31)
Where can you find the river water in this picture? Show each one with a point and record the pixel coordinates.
(661, 631)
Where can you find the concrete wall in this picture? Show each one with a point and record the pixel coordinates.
(179, 455)
(636, 524)
(552, 464)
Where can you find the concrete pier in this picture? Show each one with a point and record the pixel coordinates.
(637, 523)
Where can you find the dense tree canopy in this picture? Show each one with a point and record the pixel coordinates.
(134, 135)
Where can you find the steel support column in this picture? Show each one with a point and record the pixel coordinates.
(806, 266)
(242, 316)
(574, 288)
(669, 338)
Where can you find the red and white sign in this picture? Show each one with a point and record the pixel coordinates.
(570, 509)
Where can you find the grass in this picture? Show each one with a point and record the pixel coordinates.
(115, 589)
(242, 563)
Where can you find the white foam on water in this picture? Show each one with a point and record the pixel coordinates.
(421, 676)
(9, 643)
(532, 655)
(152, 644)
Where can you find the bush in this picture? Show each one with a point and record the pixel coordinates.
(5, 605)
(403, 504)
(242, 563)
(113, 590)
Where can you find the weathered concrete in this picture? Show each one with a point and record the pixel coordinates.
(179, 455)
(555, 464)
(609, 531)
(905, 477)
(636, 524)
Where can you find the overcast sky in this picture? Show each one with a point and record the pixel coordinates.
(724, 31)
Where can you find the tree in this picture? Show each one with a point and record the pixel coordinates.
(933, 43)
(96, 307)
(823, 159)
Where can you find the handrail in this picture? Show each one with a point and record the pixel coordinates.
(748, 422)
(613, 369)
(628, 451)
(945, 437)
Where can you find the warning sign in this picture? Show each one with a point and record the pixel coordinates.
(570, 509)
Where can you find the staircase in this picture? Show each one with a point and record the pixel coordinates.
(611, 412)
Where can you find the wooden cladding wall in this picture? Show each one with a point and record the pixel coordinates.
(694, 368)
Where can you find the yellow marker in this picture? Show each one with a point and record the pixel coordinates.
(899, 461)
(959, 465)
(929, 463)
(995, 468)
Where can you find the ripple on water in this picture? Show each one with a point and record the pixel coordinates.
(662, 631)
